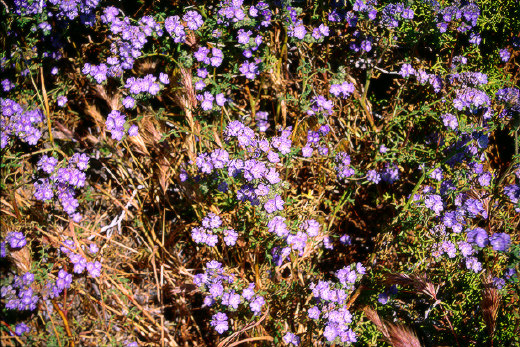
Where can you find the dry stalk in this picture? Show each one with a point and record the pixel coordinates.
(490, 303)
(421, 284)
(397, 335)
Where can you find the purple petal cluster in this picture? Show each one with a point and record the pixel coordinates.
(343, 168)
(250, 69)
(215, 283)
(470, 98)
(211, 226)
(19, 295)
(62, 182)
(321, 106)
(330, 309)
(115, 123)
(16, 121)
(15, 239)
(343, 90)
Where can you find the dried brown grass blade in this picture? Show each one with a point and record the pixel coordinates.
(421, 284)
(490, 303)
(372, 315)
(402, 336)
(397, 335)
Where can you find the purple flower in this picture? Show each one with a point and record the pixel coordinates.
(231, 299)
(133, 130)
(330, 333)
(230, 237)
(345, 240)
(473, 264)
(115, 124)
(7, 85)
(193, 20)
(277, 225)
(164, 78)
(373, 176)
(465, 248)
(220, 99)
(290, 338)
(211, 221)
(475, 39)
(16, 239)
(272, 176)
(298, 31)
(275, 204)
(216, 290)
(47, 164)
(249, 70)
(257, 304)
(61, 100)
(128, 102)
(504, 55)
(243, 36)
(450, 121)
(249, 292)
(312, 227)
(478, 236)
(21, 328)
(512, 191)
(485, 179)
(94, 269)
(176, 30)
(500, 242)
(220, 322)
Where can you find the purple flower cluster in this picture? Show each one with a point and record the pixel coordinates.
(127, 42)
(15, 121)
(510, 97)
(7, 85)
(207, 99)
(331, 299)
(321, 105)
(462, 18)
(422, 77)
(15, 239)
(343, 90)
(62, 182)
(434, 203)
(70, 9)
(290, 338)
(29, 8)
(470, 98)
(79, 262)
(53, 288)
(175, 28)
(298, 240)
(193, 20)
(115, 123)
(215, 283)
(147, 84)
(19, 295)
(512, 191)
(21, 328)
(262, 121)
(202, 55)
(316, 139)
(321, 31)
(343, 168)
(393, 13)
(250, 69)
(231, 12)
(504, 55)
(206, 234)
